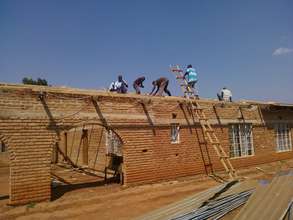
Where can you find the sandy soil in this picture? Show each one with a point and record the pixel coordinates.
(116, 202)
(110, 201)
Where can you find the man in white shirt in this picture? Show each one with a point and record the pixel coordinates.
(225, 95)
(120, 86)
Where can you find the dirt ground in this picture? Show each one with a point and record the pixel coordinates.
(97, 201)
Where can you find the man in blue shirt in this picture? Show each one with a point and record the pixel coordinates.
(190, 76)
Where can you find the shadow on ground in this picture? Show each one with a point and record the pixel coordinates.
(58, 191)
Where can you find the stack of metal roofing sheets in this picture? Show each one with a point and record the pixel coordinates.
(186, 205)
(270, 202)
(266, 200)
(218, 208)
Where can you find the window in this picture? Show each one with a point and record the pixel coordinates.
(175, 133)
(2, 147)
(113, 144)
(283, 137)
(241, 143)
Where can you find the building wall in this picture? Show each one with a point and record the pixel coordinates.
(96, 147)
(29, 147)
(4, 155)
(153, 158)
(34, 118)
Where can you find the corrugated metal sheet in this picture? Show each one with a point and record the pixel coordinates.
(224, 203)
(241, 187)
(184, 206)
(218, 208)
(271, 201)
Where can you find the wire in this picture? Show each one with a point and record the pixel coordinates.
(75, 113)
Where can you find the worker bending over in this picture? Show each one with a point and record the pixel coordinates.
(162, 85)
(138, 83)
(225, 95)
(120, 86)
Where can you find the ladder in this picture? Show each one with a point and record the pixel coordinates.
(188, 91)
(211, 137)
(208, 131)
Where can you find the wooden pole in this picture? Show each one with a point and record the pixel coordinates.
(55, 153)
(85, 146)
(65, 144)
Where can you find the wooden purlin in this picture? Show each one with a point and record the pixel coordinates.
(211, 137)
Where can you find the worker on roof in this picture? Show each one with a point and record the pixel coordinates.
(191, 76)
(225, 95)
(138, 83)
(162, 86)
(120, 86)
(191, 79)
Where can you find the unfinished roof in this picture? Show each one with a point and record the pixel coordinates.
(93, 92)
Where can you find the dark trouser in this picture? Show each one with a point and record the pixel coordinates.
(192, 84)
(136, 88)
(222, 99)
(122, 89)
(164, 87)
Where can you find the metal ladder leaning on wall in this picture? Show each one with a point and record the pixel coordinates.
(209, 133)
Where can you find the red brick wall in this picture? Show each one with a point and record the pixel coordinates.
(29, 145)
(163, 160)
(31, 128)
(96, 148)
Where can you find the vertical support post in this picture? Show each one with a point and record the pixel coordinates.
(85, 145)
(55, 153)
(65, 144)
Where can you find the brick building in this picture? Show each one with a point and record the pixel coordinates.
(154, 138)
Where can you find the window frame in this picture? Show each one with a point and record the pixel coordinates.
(113, 143)
(177, 139)
(288, 137)
(241, 139)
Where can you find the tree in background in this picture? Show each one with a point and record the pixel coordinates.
(30, 81)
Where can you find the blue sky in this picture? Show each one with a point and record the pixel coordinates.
(244, 45)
